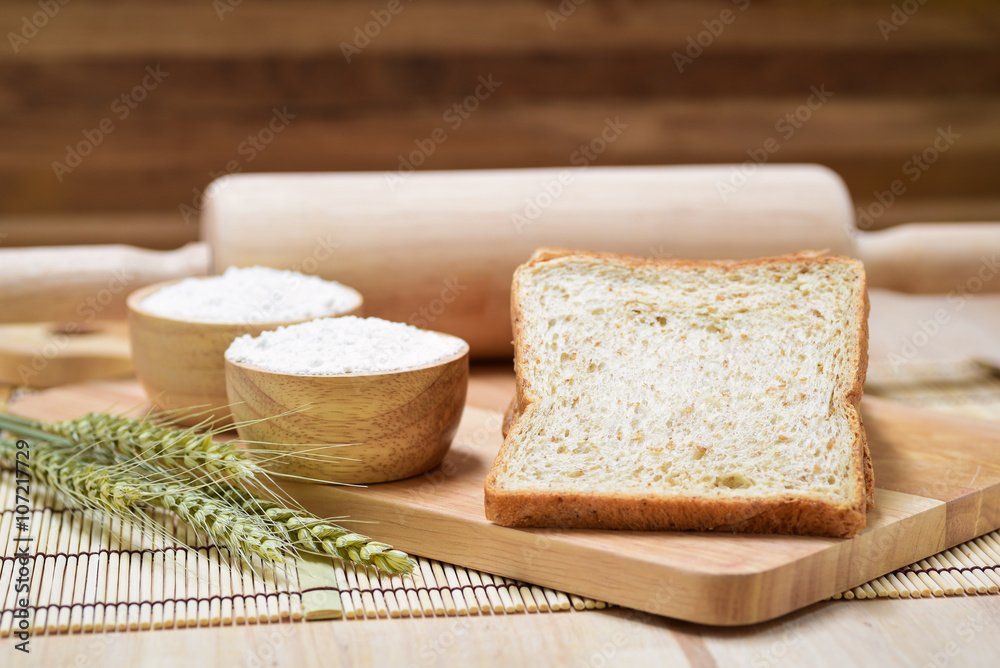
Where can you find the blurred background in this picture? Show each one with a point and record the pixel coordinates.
(116, 115)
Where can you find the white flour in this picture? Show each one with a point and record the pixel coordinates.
(348, 345)
(252, 295)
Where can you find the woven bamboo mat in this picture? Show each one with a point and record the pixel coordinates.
(965, 388)
(90, 574)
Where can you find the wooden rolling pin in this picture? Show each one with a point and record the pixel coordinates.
(437, 249)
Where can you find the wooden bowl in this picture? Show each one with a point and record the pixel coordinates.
(181, 363)
(401, 422)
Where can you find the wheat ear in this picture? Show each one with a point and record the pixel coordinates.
(151, 443)
(110, 489)
(190, 475)
(90, 485)
(306, 531)
(240, 532)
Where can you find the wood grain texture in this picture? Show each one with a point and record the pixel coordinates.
(41, 355)
(452, 239)
(440, 248)
(705, 577)
(899, 631)
(447, 26)
(893, 88)
(181, 363)
(153, 162)
(160, 231)
(78, 284)
(167, 230)
(394, 425)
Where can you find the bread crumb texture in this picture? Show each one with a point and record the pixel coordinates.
(688, 379)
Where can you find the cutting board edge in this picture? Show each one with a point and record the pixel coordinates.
(127, 388)
(842, 572)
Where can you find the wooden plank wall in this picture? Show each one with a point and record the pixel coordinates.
(896, 74)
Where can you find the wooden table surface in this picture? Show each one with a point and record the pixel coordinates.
(958, 631)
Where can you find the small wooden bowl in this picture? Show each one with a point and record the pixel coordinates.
(181, 363)
(401, 422)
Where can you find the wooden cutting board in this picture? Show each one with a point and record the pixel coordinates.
(937, 479)
(47, 355)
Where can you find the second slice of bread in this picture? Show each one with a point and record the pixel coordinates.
(658, 394)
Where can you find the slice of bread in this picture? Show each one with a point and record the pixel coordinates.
(667, 394)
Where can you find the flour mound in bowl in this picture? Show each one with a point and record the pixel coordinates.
(347, 345)
(252, 295)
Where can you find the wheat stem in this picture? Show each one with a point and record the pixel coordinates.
(30, 429)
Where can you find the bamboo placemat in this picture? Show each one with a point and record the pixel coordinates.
(967, 388)
(969, 568)
(964, 387)
(90, 574)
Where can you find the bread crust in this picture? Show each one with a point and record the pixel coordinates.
(787, 514)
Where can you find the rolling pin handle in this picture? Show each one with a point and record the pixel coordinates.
(933, 258)
(83, 283)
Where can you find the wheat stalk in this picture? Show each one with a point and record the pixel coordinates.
(147, 442)
(90, 485)
(113, 490)
(304, 530)
(131, 462)
(239, 531)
